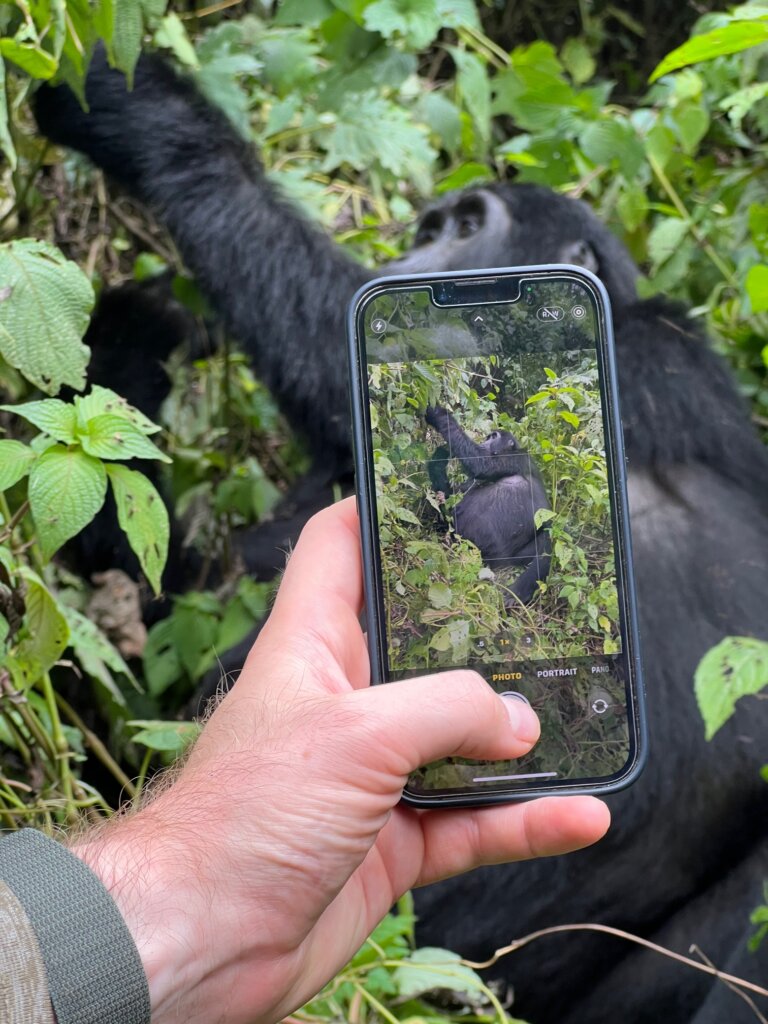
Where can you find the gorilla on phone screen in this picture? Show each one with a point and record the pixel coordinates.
(499, 501)
(687, 854)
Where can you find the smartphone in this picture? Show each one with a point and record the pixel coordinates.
(493, 512)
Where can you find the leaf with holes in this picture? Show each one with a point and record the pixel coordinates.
(112, 437)
(66, 490)
(45, 303)
(736, 667)
(101, 400)
(144, 518)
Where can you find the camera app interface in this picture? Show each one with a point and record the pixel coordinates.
(494, 511)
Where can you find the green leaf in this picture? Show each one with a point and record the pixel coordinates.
(101, 400)
(736, 667)
(46, 628)
(474, 87)
(30, 57)
(733, 38)
(578, 60)
(172, 35)
(45, 302)
(15, 462)
(52, 416)
(440, 595)
(96, 653)
(66, 490)
(127, 35)
(144, 518)
(606, 141)
(417, 22)
(429, 968)
(173, 737)
(692, 122)
(7, 147)
(739, 103)
(757, 287)
(110, 436)
(665, 238)
(632, 206)
(162, 666)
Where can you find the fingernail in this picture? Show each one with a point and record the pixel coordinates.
(524, 720)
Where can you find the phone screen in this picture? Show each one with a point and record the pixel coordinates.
(496, 517)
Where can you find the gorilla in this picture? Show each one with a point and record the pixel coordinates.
(500, 499)
(686, 857)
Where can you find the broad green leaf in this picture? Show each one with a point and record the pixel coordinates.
(126, 36)
(474, 87)
(45, 302)
(30, 57)
(692, 122)
(97, 655)
(736, 667)
(46, 627)
(101, 400)
(665, 238)
(144, 518)
(162, 666)
(172, 35)
(7, 147)
(416, 21)
(429, 968)
(607, 140)
(738, 104)
(173, 737)
(66, 490)
(632, 206)
(52, 416)
(111, 436)
(733, 38)
(757, 287)
(578, 60)
(440, 595)
(15, 462)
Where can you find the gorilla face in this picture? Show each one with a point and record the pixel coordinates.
(517, 225)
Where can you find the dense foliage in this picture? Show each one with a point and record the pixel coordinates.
(360, 109)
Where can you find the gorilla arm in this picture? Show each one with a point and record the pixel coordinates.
(280, 284)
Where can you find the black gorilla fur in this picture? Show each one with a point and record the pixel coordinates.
(687, 854)
(501, 495)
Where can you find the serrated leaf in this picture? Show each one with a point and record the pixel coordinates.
(48, 633)
(440, 595)
(52, 416)
(144, 519)
(733, 38)
(96, 653)
(15, 462)
(103, 400)
(126, 36)
(415, 21)
(45, 303)
(736, 667)
(66, 490)
(110, 436)
(173, 737)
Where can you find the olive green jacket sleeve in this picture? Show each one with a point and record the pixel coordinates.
(24, 995)
(92, 969)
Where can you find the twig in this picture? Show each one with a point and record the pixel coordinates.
(737, 991)
(620, 934)
(98, 748)
(136, 229)
(204, 12)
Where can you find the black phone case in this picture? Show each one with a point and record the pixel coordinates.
(614, 443)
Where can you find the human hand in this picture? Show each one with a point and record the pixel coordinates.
(251, 880)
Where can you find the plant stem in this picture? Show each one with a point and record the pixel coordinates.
(96, 746)
(679, 205)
